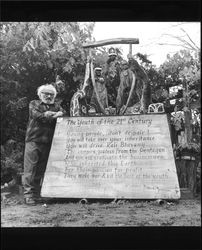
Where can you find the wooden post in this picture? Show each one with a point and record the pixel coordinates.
(186, 163)
(111, 41)
(186, 171)
(187, 124)
(130, 49)
(94, 84)
(187, 115)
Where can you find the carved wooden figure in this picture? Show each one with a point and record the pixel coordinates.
(133, 90)
(135, 80)
(75, 106)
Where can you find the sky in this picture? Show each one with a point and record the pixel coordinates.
(149, 35)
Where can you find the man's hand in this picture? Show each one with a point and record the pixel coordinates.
(49, 114)
(58, 114)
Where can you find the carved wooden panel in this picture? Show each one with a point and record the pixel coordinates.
(112, 157)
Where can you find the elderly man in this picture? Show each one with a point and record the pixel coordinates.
(42, 120)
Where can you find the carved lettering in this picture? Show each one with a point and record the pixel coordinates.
(129, 156)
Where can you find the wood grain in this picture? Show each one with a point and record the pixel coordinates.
(111, 41)
(112, 157)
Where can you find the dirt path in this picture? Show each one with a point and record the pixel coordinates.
(66, 213)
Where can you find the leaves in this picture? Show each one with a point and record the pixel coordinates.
(67, 68)
(177, 120)
(49, 64)
(32, 54)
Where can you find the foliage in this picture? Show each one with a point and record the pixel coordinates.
(194, 147)
(35, 53)
(181, 70)
(11, 160)
(184, 69)
(101, 56)
(32, 54)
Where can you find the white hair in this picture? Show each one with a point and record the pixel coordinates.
(46, 87)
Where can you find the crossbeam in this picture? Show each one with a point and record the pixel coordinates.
(111, 41)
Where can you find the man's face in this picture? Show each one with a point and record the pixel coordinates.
(47, 96)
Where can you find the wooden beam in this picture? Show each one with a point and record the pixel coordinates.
(111, 41)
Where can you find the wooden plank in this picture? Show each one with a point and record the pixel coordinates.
(112, 157)
(186, 194)
(186, 169)
(111, 41)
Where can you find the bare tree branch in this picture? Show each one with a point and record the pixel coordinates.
(172, 44)
(190, 38)
(178, 24)
(182, 40)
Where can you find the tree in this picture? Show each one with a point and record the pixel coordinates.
(32, 54)
(181, 38)
(183, 68)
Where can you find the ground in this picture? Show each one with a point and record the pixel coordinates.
(96, 213)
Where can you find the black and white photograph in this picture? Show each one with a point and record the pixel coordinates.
(100, 124)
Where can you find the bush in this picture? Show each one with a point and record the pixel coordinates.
(11, 161)
(32, 54)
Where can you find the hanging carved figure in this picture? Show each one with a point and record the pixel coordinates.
(76, 107)
(134, 94)
(112, 76)
(133, 87)
(101, 90)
